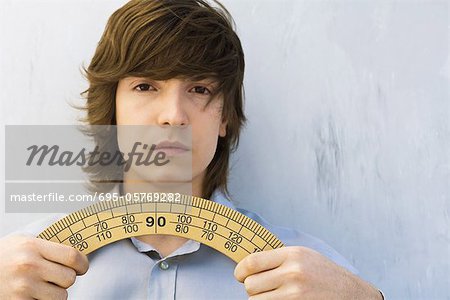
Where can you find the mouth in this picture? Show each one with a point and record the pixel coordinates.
(172, 148)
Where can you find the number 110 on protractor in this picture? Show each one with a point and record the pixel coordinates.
(213, 224)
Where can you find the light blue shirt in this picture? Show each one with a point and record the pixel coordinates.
(131, 269)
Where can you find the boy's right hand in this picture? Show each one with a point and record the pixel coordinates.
(33, 268)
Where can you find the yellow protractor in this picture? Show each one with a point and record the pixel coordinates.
(216, 225)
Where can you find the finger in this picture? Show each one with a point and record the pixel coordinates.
(263, 282)
(259, 262)
(64, 255)
(60, 275)
(47, 290)
(270, 295)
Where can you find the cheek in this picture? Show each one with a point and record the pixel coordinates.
(205, 137)
(130, 112)
(122, 111)
(206, 141)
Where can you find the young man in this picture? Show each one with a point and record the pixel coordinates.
(175, 64)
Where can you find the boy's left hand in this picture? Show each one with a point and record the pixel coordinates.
(299, 273)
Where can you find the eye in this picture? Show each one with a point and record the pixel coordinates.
(143, 87)
(201, 89)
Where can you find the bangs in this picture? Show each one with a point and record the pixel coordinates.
(169, 40)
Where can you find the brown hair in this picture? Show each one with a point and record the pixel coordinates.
(163, 39)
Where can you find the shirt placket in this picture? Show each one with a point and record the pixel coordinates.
(163, 273)
(162, 279)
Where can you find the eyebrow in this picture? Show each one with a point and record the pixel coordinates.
(207, 80)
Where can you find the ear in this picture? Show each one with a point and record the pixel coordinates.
(223, 128)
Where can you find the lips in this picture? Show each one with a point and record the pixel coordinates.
(172, 148)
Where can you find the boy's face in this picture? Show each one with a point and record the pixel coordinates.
(177, 103)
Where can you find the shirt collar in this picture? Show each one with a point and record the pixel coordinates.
(219, 197)
(189, 247)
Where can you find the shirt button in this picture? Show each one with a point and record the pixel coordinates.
(164, 265)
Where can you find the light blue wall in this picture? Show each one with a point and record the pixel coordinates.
(349, 120)
(348, 135)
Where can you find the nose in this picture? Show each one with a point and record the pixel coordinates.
(173, 112)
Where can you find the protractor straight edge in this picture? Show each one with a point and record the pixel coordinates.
(213, 224)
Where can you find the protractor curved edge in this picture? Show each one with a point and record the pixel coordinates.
(215, 225)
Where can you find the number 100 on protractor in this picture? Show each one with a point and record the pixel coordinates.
(208, 222)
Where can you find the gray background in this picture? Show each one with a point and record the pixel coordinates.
(348, 135)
